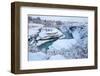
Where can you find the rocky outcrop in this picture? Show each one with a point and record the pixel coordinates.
(48, 34)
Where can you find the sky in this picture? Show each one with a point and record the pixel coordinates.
(62, 18)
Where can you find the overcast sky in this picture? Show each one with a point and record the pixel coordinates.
(63, 18)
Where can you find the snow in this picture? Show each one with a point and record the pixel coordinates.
(32, 31)
(37, 56)
(35, 25)
(48, 32)
(50, 41)
(63, 43)
(34, 28)
(57, 57)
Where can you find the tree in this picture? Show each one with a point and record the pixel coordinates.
(29, 19)
(58, 22)
(38, 20)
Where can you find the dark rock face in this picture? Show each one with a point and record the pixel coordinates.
(66, 31)
(68, 35)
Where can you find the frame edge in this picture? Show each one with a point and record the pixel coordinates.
(12, 37)
(15, 68)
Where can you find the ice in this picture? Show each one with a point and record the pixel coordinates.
(57, 57)
(63, 43)
(37, 56)
(42, 42)
(52, 39)
(76, 35)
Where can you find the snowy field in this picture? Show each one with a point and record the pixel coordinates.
(57, 38)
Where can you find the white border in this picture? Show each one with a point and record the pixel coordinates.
(25, 64)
